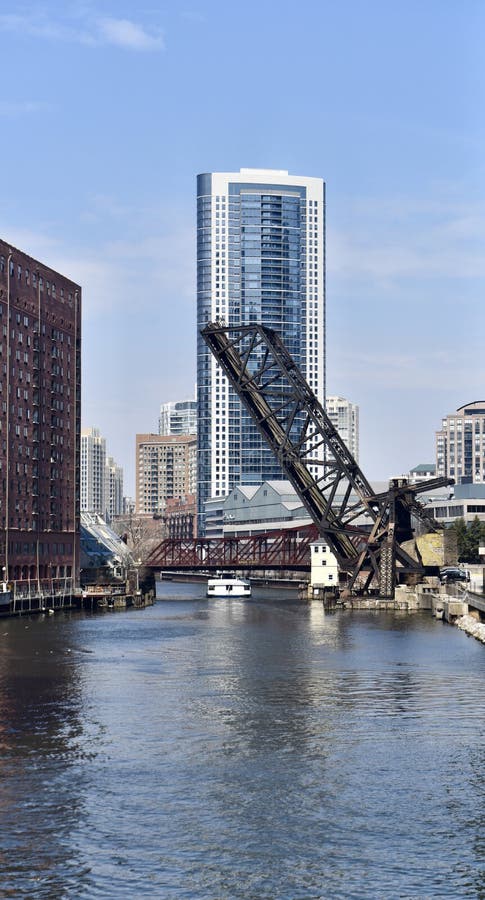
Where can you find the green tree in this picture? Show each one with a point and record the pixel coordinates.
(468, 539)
(474, 533)
(459, 527)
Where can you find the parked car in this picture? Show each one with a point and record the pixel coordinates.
(453, 573)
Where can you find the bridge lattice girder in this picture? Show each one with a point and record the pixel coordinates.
(284, 549)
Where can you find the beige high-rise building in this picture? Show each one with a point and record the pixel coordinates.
(165, 469)
(460, 444)
(114, 489)
(344, 416)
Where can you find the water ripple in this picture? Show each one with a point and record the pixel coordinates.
(258, 751)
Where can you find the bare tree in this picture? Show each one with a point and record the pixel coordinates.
(140, 533)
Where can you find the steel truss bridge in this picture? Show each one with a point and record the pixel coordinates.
(284, 549)
(365, 531)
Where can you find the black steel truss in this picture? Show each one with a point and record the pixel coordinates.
(364, 530)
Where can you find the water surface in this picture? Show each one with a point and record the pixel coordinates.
(240, 749)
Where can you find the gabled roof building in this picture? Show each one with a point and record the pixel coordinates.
(250, 509)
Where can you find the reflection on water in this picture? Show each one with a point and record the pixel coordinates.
(240, 749)
(41, 742)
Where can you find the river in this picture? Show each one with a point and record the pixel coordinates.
(259, 749)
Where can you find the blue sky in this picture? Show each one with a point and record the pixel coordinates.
(109, 110)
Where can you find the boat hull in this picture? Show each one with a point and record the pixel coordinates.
(5, 596)
(228, 587)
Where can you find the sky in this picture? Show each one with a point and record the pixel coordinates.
(108, 110)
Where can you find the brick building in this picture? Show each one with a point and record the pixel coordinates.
(40, 413)
(180, 517)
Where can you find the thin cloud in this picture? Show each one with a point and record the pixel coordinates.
(93, 32)
(102, 207)
(36, 244)
(367, 373)
(192, 16)
(34, 25)
(129, 35)
(21, 107)
(407, 245)
(110, 274)
(39, 26)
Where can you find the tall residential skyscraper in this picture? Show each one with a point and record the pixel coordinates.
(460, 445)
(344, 416)
(178, 418)
(114, 489)
(40, 391)
(260, 258)
(101, 477)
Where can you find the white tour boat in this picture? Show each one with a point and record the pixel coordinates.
(228, 586)
(5, 595)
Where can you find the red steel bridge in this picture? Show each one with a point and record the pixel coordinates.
(285, 549)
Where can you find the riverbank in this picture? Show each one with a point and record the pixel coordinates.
(472, 626)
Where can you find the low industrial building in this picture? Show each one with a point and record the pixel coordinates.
(214, 517)
(461, 501)
(252, 509)
(275, 505)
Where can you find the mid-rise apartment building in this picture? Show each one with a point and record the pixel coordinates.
(260, 258)
(165, 469)
(460, 444)
(40, 415)
(344, 416)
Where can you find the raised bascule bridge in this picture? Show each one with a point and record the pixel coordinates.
(371, 535)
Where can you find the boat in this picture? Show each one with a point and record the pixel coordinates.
(5, 595)
(228, 586)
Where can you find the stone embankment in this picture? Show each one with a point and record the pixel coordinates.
(472, 627)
